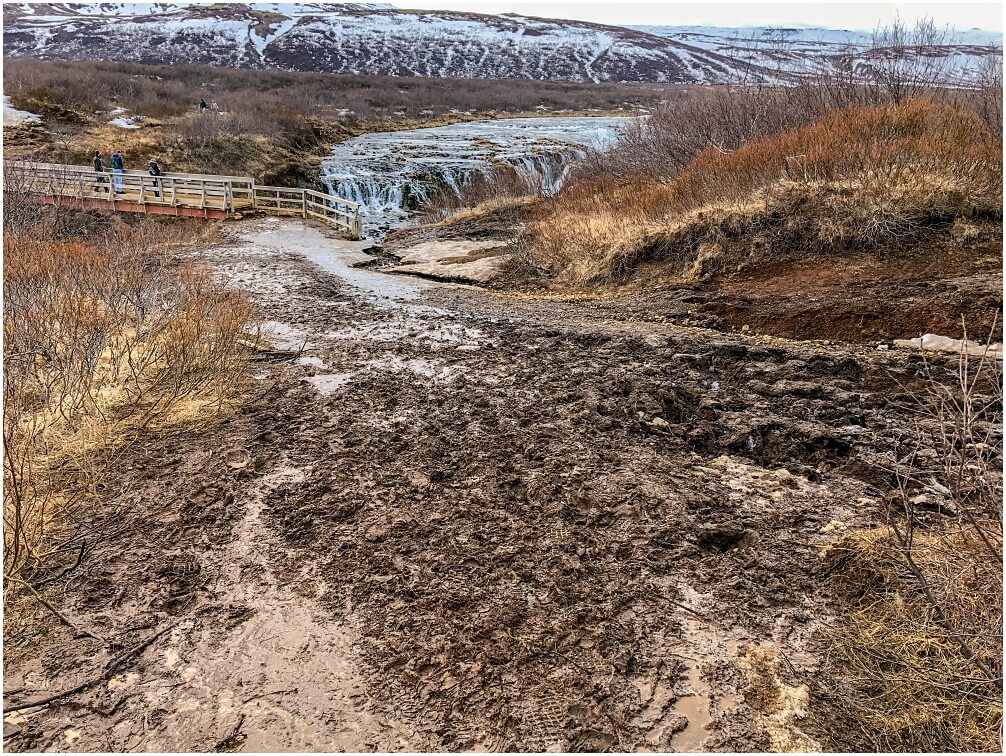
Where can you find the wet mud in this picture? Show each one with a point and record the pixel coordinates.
(450, 519)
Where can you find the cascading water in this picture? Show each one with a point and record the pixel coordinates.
(391, 173)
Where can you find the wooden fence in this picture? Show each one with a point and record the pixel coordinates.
(308, 203)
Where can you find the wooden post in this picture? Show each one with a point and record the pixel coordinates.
(357, 226)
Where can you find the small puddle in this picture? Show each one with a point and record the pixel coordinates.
(697, 709)
(704, 643)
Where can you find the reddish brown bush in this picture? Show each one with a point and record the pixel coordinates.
(102, 340)
(934, 152)
(868, 175)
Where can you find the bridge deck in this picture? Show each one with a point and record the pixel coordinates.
(196, 195)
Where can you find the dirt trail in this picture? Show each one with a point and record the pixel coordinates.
(458, 520)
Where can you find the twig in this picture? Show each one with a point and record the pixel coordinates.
(109, 670)
(702, 617)
(68, 570)
(38, 597)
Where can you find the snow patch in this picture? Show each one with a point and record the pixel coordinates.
(124, 123)
(14, 117)
(931, 342)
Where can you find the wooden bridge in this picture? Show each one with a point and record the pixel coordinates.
(184, 194)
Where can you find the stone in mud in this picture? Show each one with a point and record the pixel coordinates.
(477, 262)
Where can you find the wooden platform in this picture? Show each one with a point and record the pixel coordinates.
(182, 194)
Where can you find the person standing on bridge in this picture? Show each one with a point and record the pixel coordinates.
(155, 170)
(99, 168)
(118, 166)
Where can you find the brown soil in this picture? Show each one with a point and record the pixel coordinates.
(462, 520)
(867, 298)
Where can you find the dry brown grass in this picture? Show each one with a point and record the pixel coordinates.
(917, 666)
(867, 176)
(104, 340)
(894, 670)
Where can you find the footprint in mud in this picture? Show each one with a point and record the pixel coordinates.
(237, 459)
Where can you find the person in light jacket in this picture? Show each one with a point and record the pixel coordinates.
(118, 166)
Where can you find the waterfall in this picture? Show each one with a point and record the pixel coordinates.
(406, 192)
(390, 174)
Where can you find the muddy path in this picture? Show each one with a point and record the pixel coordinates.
(456, 520)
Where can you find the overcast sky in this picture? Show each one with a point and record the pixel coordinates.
(839, 15)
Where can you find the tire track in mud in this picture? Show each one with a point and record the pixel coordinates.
(465, 521)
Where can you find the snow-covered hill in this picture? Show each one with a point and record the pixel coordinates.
(376, 38)
(357, 38)
(800, 49)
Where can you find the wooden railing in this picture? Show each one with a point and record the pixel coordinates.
(180, 193)
(307, 203)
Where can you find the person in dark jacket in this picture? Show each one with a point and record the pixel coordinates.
(118, 166)
(203, 107)
(99, 168)
(155, 170)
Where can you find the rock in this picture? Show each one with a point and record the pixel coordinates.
(934, 343)
(465, 261)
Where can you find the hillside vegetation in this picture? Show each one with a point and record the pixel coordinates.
(881, 179)
(273, 125)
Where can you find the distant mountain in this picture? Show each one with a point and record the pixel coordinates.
(377, 38)
(799, 49)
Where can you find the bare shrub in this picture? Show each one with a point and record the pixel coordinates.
(720, 118)
(986, 96)
(918, 666)
(103, 340)
(903, 62)
(900, 63)
(82, 87)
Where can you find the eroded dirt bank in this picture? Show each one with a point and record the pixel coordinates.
(456, 520)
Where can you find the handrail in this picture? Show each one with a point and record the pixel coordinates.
(136, 172)
(192, 191)
(341, 213)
